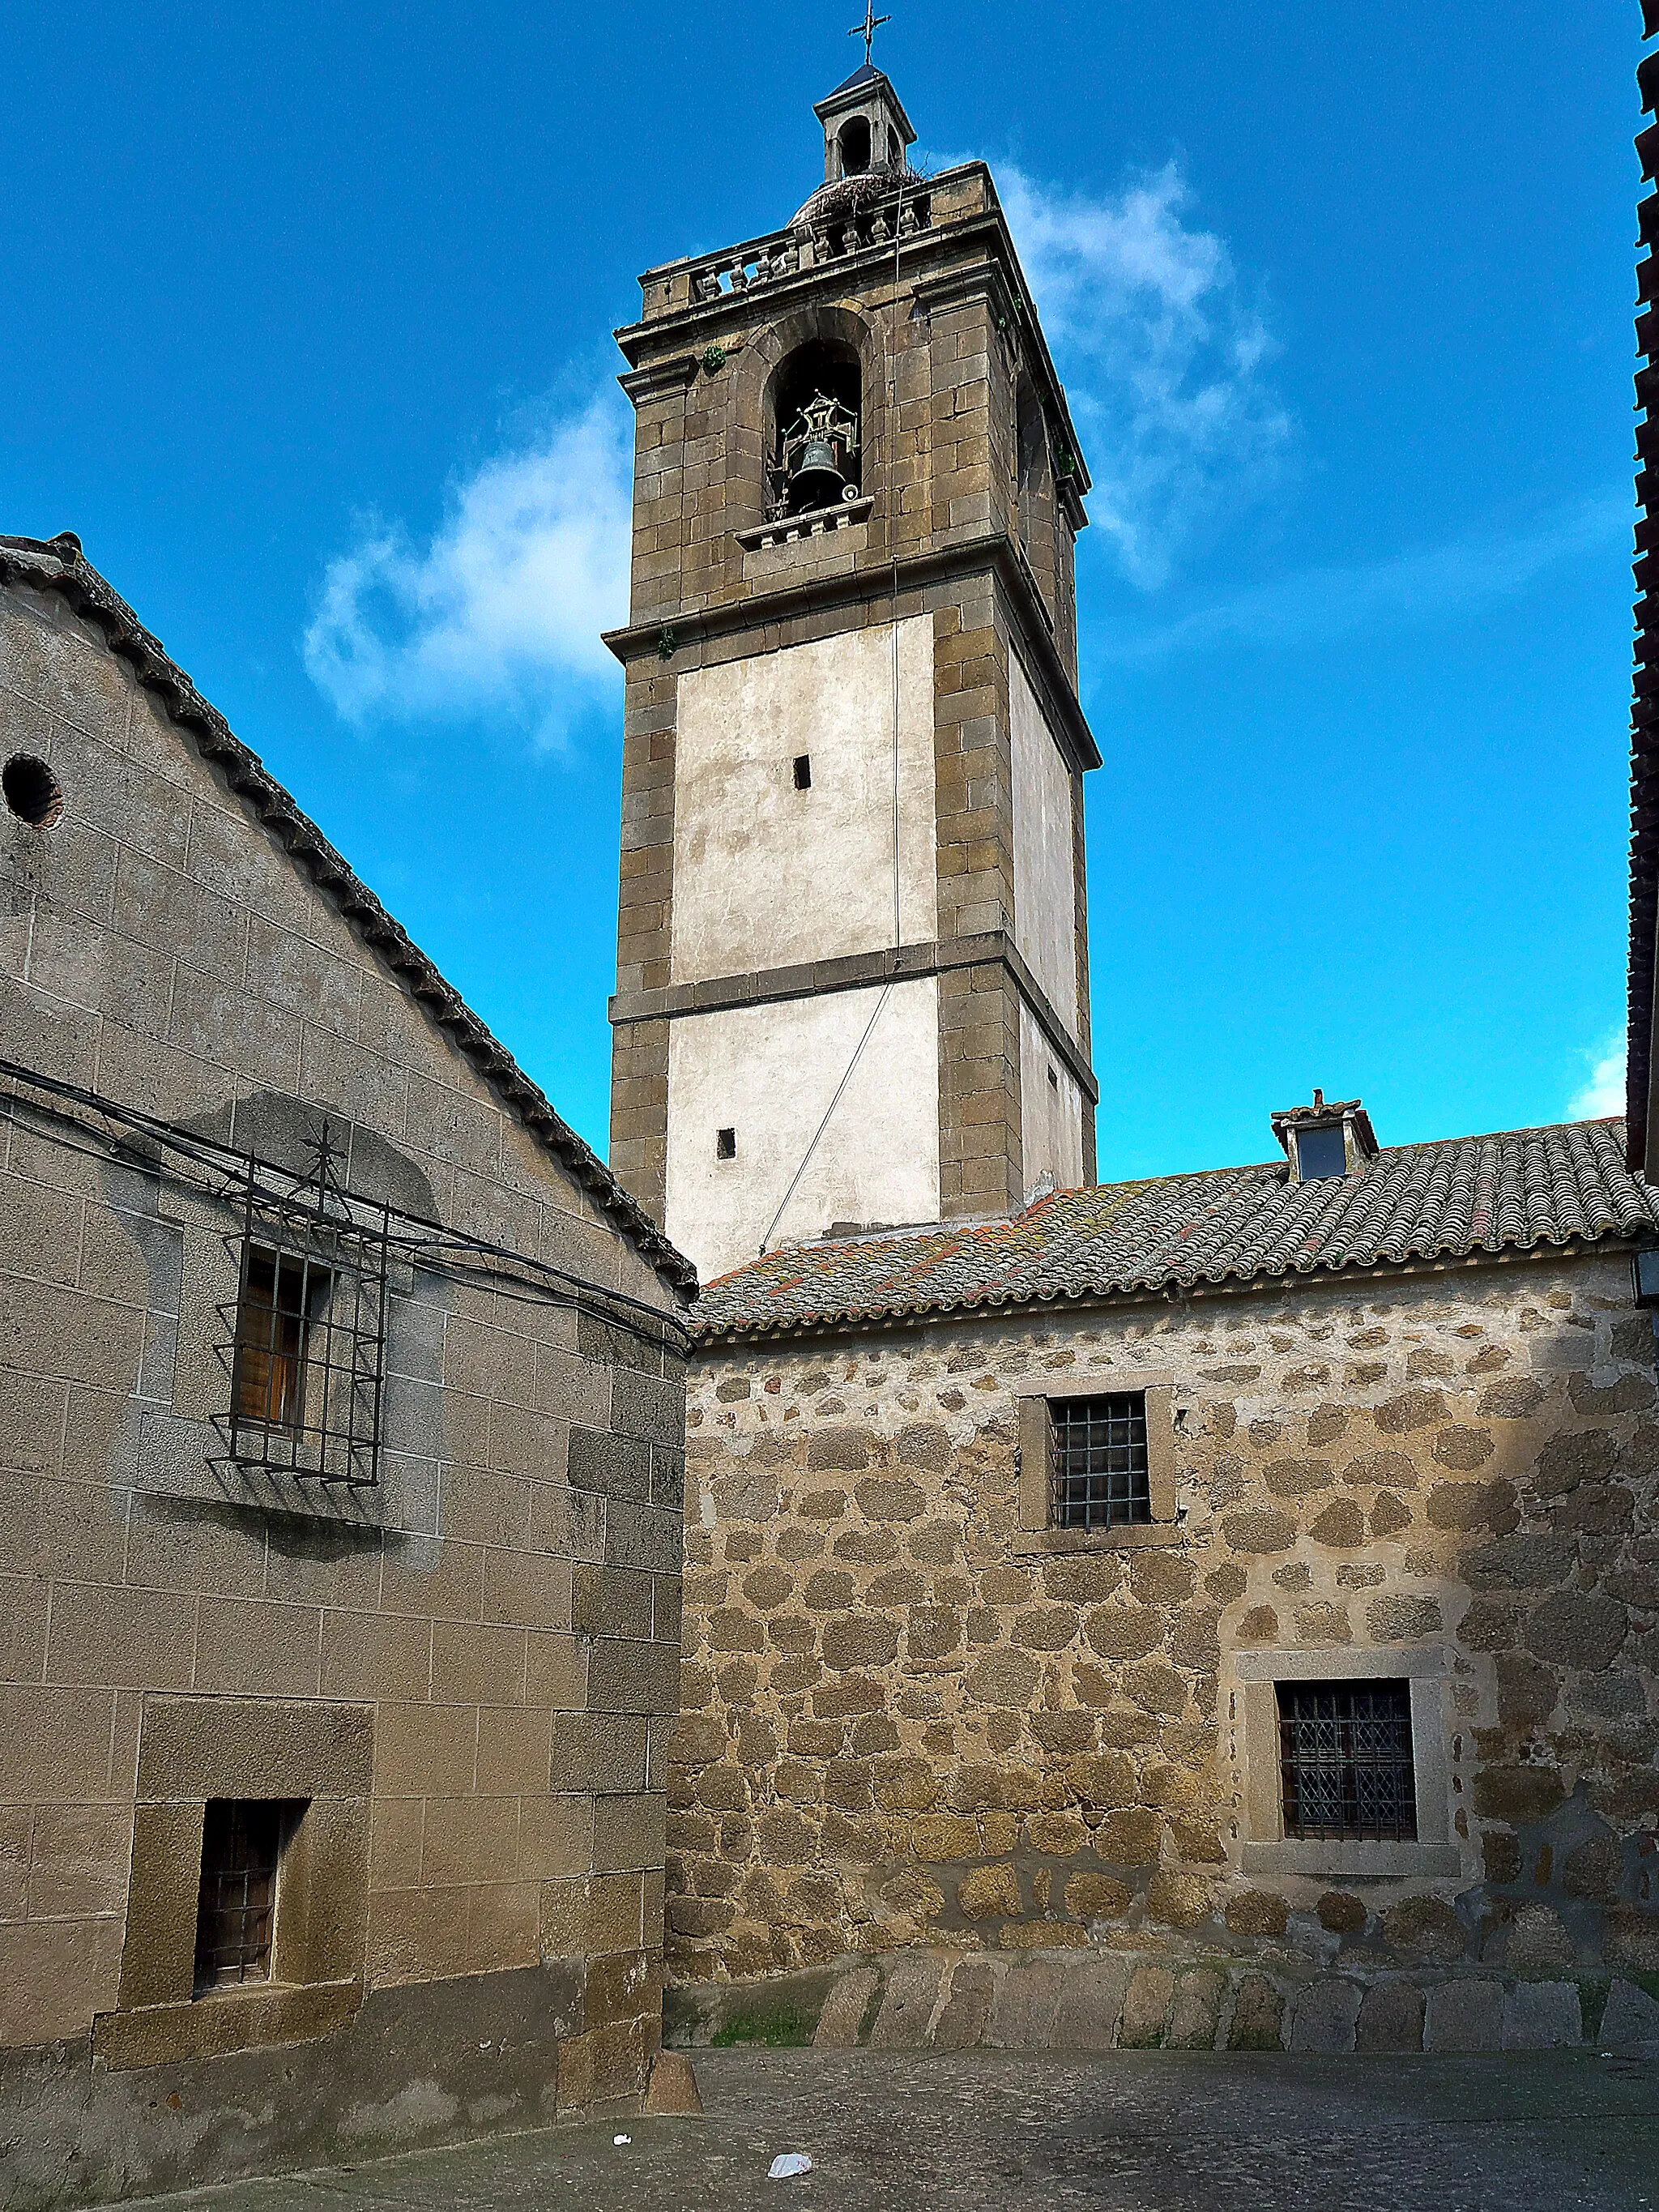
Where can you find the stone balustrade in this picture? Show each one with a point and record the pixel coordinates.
(786, 253)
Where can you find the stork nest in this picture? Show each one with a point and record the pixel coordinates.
(849, 194)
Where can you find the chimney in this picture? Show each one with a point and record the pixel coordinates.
(1329, 1139)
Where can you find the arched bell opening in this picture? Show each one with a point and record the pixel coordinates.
(854, 139)
(814, 428)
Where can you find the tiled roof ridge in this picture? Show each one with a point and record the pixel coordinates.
(59, 565)
(1445, 1197)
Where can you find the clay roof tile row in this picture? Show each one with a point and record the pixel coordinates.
(1515, 1191)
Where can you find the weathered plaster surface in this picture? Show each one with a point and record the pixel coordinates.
(766, 876)
(770, 1073)
(903, 1726)
(1051, 1111)
(1045, 898)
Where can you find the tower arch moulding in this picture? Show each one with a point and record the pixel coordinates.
(762, 377)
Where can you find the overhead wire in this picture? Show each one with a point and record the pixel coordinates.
(221, 1171)
(892, 544)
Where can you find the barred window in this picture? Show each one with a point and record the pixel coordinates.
(1098, 1472)
(307, 1332)
(1346, 1760)
(241, 1844)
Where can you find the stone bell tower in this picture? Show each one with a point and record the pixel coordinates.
(852, 974)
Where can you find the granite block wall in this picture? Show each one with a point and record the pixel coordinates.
(495, 1623)
(907, 1724)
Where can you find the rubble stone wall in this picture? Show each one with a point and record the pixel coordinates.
(902, 1726)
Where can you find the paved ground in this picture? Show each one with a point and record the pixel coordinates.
(1133, 2132)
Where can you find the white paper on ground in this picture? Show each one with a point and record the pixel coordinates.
(788, 2163)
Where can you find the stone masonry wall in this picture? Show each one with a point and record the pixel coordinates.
(495, 1629)
(899, 1731)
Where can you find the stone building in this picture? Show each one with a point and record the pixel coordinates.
(1244, 1586)
(340, 1469)
(1220, 1607)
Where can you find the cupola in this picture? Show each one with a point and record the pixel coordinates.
(1331, 1137)
(865, 128)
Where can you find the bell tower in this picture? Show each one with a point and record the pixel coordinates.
(852, 974)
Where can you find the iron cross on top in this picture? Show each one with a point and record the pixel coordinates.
(866, 30)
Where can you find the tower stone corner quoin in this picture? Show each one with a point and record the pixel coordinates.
(852, 965)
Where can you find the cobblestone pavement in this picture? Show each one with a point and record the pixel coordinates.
(1133, 2132)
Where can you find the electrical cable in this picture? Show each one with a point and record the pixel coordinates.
(223, 1172)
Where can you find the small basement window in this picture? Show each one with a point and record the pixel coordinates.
(1346, 1760)
(33, 791)
(1098, 1476)
(1321, 1153)
(803, 771)
(725, 1144)
(236, 1910)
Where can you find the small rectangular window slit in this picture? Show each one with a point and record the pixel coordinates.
(725, 1144)
(803, 771)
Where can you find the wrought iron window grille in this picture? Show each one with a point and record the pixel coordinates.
(241, 1846)
(1097, 1461)
(1346, 1760)
(306, 1345)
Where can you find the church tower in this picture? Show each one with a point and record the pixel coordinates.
(852, 973)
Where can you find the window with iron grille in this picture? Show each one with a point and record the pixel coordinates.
(1346, 1760)
(235, 1914)
(1098, 1472)
(308, 1342)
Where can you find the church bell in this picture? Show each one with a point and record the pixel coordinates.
(819, 473)
(818, 457)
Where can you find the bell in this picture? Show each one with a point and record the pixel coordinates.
(817, 479)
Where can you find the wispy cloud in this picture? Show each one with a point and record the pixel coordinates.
(1432, 583)
(1164, 356)
(1603, 1093)
(500, 611)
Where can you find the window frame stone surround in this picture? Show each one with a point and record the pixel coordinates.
(1264, 1847)
(314, 1755)
(1038, 1533)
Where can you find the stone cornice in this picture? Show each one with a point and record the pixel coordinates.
(993, 550)
(688, 329)
(862, 971)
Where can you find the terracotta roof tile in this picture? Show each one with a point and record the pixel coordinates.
(1512, 1191)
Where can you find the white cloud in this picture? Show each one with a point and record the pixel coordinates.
(501, 610)
(1316, 605)
(1604, 1092)
(1163, 356)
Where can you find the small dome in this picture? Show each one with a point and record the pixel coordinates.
(847, 195)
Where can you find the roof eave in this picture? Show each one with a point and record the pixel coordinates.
(59, 565)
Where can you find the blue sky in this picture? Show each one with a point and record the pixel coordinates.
(307, 317)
